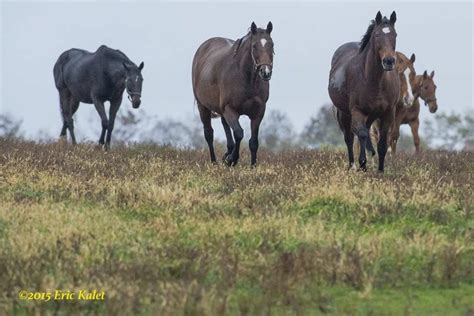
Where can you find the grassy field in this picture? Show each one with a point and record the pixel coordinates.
(162, 231)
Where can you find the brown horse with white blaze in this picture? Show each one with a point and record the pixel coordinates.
(363, 86)
(230, 79)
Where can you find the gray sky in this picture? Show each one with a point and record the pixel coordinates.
(165, 35)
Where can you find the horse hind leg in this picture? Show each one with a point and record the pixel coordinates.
(345, 124)
(67, 106)
(372, 135)
(73, 105)
(206, 117)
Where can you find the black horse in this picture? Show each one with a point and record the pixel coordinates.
(82, 76)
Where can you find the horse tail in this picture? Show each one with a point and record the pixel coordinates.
(58, 70)
(61, 111)
(59, 77)
(337, 117)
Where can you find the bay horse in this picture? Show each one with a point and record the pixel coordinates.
(423, 87)
(94, 78)
(363, 86)
(230, 79)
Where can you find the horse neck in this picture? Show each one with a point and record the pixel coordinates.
(418, 80)
(373, 70)
(245, 61)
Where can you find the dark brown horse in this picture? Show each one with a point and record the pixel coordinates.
(230, 79)
(364, 87)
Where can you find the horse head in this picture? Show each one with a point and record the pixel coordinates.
(426, 90)
(407, 74)
(261, 50)
(384, 39)
(133, 83)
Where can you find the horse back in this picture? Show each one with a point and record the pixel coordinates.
(64, 59)
(210, 55)
(211, 60)
(339, 74)
(344, 53)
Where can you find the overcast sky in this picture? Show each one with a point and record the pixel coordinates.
(165, 35)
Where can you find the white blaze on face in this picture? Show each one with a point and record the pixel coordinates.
(263, 42)
(410, 97)
(136, 79)
(267, 70)
(386, 30)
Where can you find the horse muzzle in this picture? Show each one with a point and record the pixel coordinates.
(388, 63)
(136, 100)
(432, 106)
(265, 72)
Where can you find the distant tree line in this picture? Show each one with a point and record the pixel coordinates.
(442, 131)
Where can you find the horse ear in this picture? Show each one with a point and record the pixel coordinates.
(412, 58)
(253, 28)
(425, 74)
(432, 74)
(378, 18)
(269, 27)
(140, 67)
(393, 18)
(127, 68)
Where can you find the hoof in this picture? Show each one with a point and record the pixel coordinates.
(224, 158)
(229, 162)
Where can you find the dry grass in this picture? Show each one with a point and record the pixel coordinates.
(162, 231)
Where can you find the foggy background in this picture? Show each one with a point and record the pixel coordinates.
(165, 35)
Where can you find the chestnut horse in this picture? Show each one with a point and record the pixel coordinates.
(364, 87)
(230, 79)
(423, 87)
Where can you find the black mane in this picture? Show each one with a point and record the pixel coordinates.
(366, 38)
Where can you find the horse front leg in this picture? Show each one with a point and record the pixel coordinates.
(359, 127)
(114, 107)
(232, 118)
(229, 138)
(253, 142)
(414, 125)
(382, 144)
(393, 136)
(99, 106)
